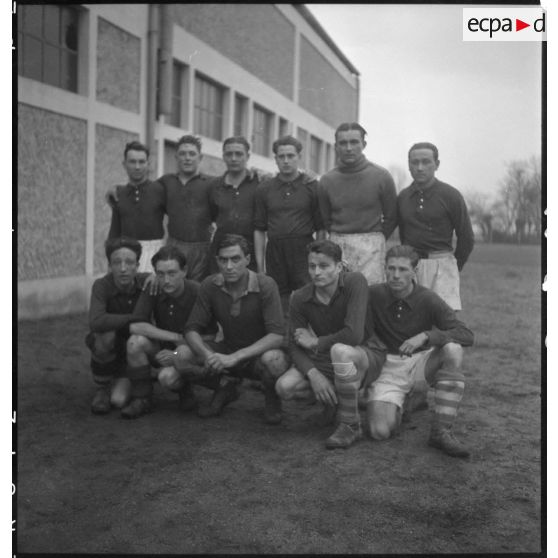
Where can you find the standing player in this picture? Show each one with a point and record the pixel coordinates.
(163, 343)
(429, 213)
(358, 204)
(328, 321)
(113, 298)
(138, 208)
(425, 342)
(287, 210)
(248, 308)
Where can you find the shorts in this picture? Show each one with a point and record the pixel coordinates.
(286, 261)
(439, 273)
(364, 252)
(246, 369)
(148, 249)
(398, 377)
(197, 257)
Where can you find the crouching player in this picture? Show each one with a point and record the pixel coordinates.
(248, 308)
(113, 298)
(425, 342)
(328, 321)
(163, 343)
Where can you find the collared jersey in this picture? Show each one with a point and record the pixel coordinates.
(253, 315)
(343, 320)
(169, 313)
(233, 208)
(110, 308)
(360, 198)
(428, 217)
(139, 211)
(287, 209)
(423, 311)
(188, 208)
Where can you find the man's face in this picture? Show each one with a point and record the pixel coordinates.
(188, 158)
(123, 265)
(349, 146)
(136, 165)
(422, 165)
(324, 271)
(235, 157)
(232, 263)
(170, 276)
(287, 160)
(400, 275)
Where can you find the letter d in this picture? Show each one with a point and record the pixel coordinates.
(540, 20)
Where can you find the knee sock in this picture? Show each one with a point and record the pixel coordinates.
(140, 378)
(347, 384)
(447, 396)
(103, 372)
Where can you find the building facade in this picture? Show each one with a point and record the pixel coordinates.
(93, 77)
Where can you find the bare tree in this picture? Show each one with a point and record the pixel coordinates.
(481, 211)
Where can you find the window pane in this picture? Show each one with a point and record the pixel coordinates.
(69, 72)
(51, 65)
(52, 24)
(33, 20)
(69, 28)
(33, 58)
(19, 49)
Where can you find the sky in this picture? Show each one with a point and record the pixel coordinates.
(479, 102)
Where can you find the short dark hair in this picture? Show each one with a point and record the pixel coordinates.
(189, 138)
(135, 146)
(424, 145)
(327, 248)
(286, 140)
(348, 126)
(403, 251)
(113, 244)
(237, 139)
(234, 240)
(167, 253)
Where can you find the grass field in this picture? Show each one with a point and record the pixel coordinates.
(170, 483)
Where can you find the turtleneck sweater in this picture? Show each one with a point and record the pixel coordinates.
(358, 198)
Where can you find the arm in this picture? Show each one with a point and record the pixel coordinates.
(389, 205)
(446, 327)
(100, 320)
(259, 250)
(115, 225)
(464, 232)
(325, 206)
(149, 330)
(260, 226)
(301, 357)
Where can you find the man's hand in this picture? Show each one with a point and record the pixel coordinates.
(165, 357)
(323, 389)
(305, 338)
(411, 345)
(220, 362)
(111, 196)
(151, 285)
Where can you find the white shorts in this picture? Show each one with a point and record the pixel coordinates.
(398, 377)
(439, 273)
(364, 252)
(148, 249)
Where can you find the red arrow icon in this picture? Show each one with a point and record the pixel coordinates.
(519, 25)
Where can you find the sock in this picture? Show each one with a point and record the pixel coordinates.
(103, 372)
(140, 378)
(447, 396)
(347, 384)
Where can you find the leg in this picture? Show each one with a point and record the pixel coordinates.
(349, 365)
(293, 385)
(103, 368)
(172, 378)
(121, 393)
(443, 371)
(272, 365)
(383, 419)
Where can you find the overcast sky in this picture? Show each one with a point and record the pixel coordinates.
(479, 102)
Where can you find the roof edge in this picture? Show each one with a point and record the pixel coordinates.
(315, 24)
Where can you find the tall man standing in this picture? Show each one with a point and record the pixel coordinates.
(358, 204)
(287, 209)
(189, 208)
(429, 213)
(424, 341)
(138, 208)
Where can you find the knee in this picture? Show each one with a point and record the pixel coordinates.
(283, 389)
(275, 362)
(379, 430)
(169, 378)
(452, 355)
(136, 344)
(340, 352)
(184, 356)
(104, 345)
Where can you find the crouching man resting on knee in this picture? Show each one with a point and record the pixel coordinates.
(425, 341)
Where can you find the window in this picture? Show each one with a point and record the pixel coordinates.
(261, 138)
(240, 115)
(48, 44)
(283, 127)
(302, 136)
(329, 157)
(208, 108)
(315, 154)
(177, 116)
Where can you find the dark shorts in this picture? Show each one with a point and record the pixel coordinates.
(246, 369)
(286, 261)
(197, 257)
